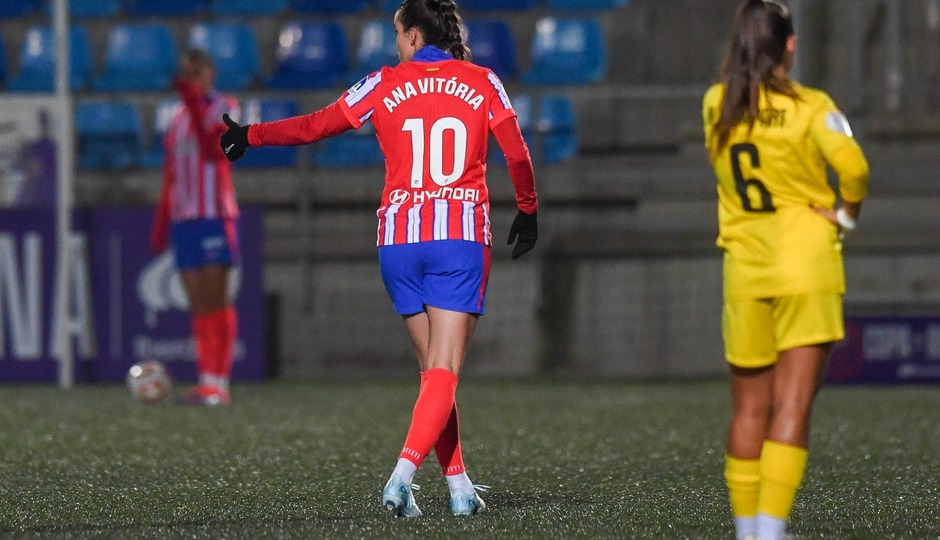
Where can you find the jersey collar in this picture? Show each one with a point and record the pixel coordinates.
(430, 53)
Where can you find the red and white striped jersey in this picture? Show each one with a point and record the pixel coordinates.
(432, 120)
(197, 176)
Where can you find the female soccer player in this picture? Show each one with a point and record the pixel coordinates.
(432, 114)
(769, 140)
(197, 211)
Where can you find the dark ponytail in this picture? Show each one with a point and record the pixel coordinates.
(757, 46)
(439, 23)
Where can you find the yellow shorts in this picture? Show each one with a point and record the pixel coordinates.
(755, 331)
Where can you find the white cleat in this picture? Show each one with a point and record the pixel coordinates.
(464, 503)
(398, 498)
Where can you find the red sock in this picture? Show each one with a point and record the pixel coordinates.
(215, 334)
(431, 413)
(228, 332)
(447, 447)
(204, 336)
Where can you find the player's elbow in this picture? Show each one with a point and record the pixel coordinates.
(853, 182)
(517, 161)
(852, 168)
(517, 154)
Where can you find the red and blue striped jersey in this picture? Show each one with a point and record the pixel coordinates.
(432, 120)
(197, 176)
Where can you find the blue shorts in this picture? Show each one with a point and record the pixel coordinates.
(204, 242)
(446, 274)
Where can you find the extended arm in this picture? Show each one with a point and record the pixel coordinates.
(160, 231)
(305, 129)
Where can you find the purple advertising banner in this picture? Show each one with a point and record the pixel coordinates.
(27, 293)
(143, 311)
(127, 304)
(888, 350)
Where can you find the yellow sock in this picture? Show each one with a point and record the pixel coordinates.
(742, 476)
(781, 472)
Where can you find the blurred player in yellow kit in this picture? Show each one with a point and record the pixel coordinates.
(770, 140)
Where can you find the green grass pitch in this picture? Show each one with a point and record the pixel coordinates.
(563, 459)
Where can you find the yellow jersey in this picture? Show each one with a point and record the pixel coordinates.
(769, 178)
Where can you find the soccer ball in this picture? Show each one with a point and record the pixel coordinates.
(149, 381)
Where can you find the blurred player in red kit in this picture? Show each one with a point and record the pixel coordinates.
(432, 114)
(197, 213)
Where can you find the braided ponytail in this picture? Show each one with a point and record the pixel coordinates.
(452, 31)
(439, 23)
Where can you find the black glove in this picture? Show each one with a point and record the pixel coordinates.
(526, 227)
(234, 142)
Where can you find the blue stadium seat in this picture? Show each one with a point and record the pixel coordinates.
(329, 6)
(164, 8)
(522, 104)
(376, 49)
(3, 63)
(497, 5)
(350, 149)
(12, 9)
(153, 156)
(86, 8)
(248, 7)
(310, 55)
(552, 138)
(493, 46)
(93, 8)
(389, 6)
(138, 57)
(108, 134)
(37, 60)
(234, 49)
(254, 111)
(585, 4)
(557, 128)
(567, 51)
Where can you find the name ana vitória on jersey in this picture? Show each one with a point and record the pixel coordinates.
(433, 85)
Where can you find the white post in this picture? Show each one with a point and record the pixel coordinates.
(65, 161)
(857, 84)
(796, 15)
(894, 76)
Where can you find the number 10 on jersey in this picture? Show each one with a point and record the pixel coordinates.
(435, 160)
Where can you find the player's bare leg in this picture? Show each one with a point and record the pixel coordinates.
(751, 400)
(796, 378)
(206, 288)
(798, 375)
(419, 331)
(440, 338)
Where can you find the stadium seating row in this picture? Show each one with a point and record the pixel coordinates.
(110, 135)
(172, 8)
(143, 56)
